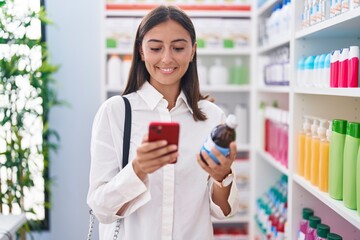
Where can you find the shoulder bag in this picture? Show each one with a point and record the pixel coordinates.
(126, 148)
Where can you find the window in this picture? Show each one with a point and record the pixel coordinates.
(24, 129)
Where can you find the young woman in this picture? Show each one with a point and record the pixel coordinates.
(155, 197)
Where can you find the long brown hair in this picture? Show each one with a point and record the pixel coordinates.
(138, 73)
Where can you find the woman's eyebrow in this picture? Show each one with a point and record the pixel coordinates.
(176, 40)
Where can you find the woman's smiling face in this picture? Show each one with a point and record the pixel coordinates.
(167, 51)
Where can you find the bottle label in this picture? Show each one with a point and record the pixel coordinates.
(209, 144)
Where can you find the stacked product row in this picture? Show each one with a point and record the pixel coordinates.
(271, 212)
(339, 69)
(316, 11)
(277, 67)
(329, 158)
(212, 33)
(277, 26)
(312, 228)
(277, 134)
(216, 73)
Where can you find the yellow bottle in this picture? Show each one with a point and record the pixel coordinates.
(324, 161)
(301, 147)
(307, 159)
(315, 148)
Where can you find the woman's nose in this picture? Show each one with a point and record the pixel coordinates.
(167, 56)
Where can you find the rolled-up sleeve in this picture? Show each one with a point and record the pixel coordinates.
(111, 189)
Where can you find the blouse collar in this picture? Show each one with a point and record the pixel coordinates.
(152, 97)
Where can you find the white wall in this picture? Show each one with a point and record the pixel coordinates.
(74, 43)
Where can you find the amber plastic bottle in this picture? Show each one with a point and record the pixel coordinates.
(221, 137)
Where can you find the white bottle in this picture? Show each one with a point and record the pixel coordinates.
(114, 65)
(202, 73)
(242, 127)
(218, 74)
(126, 69)
(344, 6)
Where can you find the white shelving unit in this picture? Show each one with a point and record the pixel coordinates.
(335, 33)
(226, 95)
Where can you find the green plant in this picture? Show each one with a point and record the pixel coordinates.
(27, 95)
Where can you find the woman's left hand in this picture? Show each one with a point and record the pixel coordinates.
(217, 171)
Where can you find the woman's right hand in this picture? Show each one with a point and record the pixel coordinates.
(150, 156)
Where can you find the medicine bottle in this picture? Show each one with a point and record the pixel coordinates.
(221, 137)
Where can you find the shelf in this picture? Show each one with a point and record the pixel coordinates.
(274, 89)
(234, 219)
(350, 215)
(277, 165)
(243, 148)
(267, 7)
(230, 52)
(343, 25)
(274, 45)
(225, 88)
(341, 92)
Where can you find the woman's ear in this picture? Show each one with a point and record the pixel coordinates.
(193, 51)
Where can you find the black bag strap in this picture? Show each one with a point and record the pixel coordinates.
(126, 148)
(127, 132)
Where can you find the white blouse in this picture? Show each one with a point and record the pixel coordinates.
(175, 201)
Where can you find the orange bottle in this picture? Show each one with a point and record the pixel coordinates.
(315, 152)
(324, 161)
(301, 147)
(307, 158)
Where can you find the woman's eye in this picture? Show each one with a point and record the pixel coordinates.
(178, 49)
(155, 49)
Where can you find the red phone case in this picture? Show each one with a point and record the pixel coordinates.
(164, 131)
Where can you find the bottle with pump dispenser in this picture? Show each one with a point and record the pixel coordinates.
(351, 146)
(221, 137)
(302, 146)
(353, 74)
(324, 160)
(308, 150)
(336, 155)
(317, 132)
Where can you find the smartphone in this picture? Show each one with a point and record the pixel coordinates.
(168, 131)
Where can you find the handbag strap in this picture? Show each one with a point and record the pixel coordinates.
(127, 132)
(126, 149)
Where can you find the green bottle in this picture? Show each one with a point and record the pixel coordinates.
(352, 143)
(239, 73)
(333, 236)
(336, 153)
(358, 181)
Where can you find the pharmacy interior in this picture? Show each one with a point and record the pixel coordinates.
(289, 72)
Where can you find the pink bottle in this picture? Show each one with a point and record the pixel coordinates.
(353, 74)
(334, 68)
(311, 232)
(343, 68)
